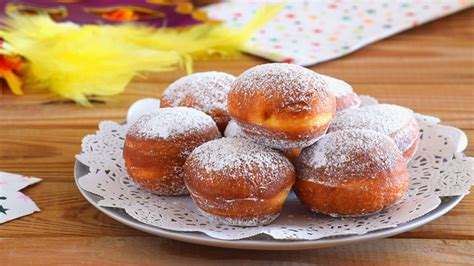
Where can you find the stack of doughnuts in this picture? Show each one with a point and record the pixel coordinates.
(285, 127)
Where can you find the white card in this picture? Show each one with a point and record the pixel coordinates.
(14, 204)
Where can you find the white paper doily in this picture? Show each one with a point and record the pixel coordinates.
(439, 168)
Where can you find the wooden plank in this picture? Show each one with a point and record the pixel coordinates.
(155, 250)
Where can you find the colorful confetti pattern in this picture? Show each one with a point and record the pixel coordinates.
(310, 32)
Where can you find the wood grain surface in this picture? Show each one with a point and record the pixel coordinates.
(429, 69)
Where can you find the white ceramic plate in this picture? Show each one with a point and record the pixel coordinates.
(261, 242)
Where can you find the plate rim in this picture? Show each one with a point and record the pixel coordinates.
(270, 244)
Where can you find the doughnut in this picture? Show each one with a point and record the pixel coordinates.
(157, 145)
(237, 182)
(233, 131)
(351, 173)
(205, 91)
(345, 96)
(282, 106)
(395, 121)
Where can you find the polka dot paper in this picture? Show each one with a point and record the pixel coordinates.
(310, 32)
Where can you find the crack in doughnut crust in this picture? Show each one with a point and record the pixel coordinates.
(281, 105)
(351, 173)
(205, 91)
(238, 182)
(392, 120)
(157, 145)
(345, 96)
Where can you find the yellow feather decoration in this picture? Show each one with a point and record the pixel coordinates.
(80, 61)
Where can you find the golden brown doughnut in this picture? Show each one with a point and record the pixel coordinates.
(237, 182)
(157, 145)
(345, 96)
(351, 173)
(205, 91)
(282, 106)
(392, 120)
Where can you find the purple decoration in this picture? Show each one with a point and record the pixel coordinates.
(92, 11)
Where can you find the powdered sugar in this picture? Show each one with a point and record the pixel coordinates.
(349, 154)
(237, 153)
(295, 86)
(317, 155)
(337, 87)
(208, 91)
(392, 120)
(279, 143)
(383, 118)
(170, 122)
(255, 221)
(233, 130)
(367, 100)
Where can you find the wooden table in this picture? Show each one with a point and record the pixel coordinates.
(429, 69)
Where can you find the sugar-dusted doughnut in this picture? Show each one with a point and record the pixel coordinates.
(395, 121)
(205, 91)
(157, 145)
(345, 96)
(351, 173)
(282, 106)
(238, 182)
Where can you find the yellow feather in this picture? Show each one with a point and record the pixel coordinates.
(77, 62)
(14, 82)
